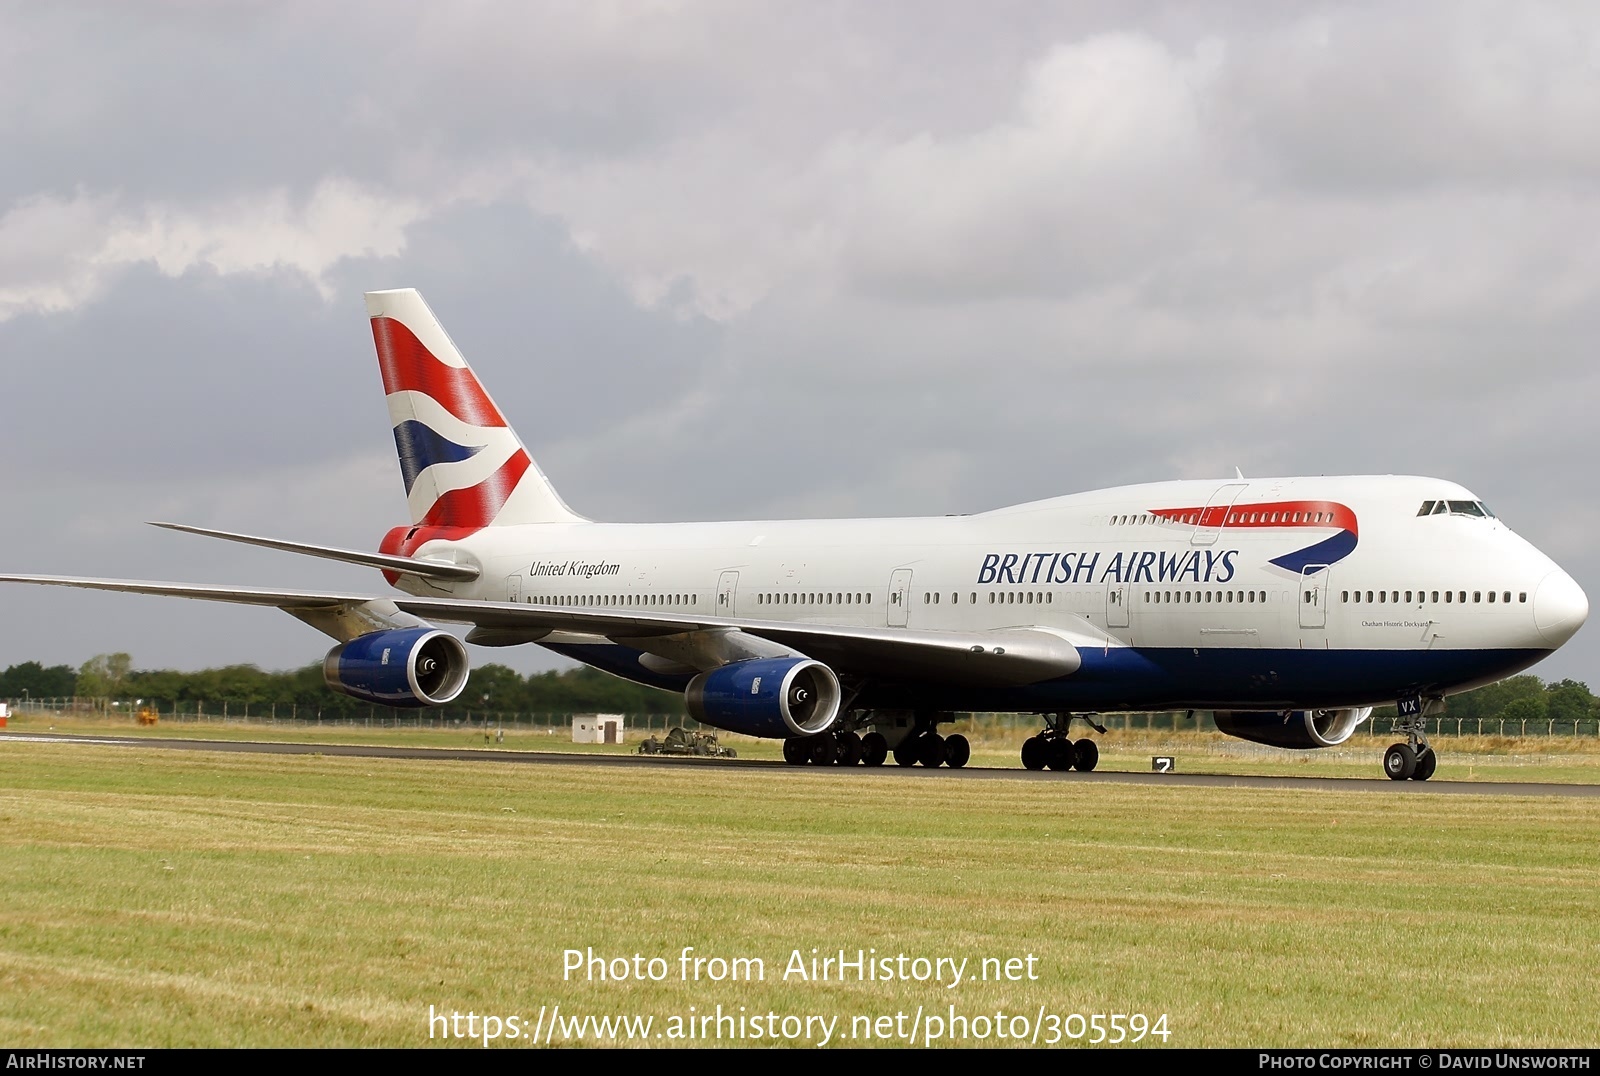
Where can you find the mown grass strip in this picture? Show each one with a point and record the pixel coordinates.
(174, 899)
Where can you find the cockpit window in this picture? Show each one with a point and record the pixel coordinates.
(1476, 509)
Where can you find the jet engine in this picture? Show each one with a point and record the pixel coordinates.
(773, 697)
(402, 667)
(1297, 729)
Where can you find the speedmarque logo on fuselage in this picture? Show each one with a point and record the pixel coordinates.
(1206, 565)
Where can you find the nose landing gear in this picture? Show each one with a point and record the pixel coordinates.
(1414, 760)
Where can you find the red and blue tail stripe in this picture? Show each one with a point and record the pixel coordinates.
(464, 467)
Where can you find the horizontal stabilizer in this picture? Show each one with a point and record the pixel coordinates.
(428, 569)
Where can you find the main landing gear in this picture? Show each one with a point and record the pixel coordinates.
(1414, 760)
(847, 748)
(1053, 747)
(922, 744)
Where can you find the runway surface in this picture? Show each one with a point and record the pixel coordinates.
(971, 773)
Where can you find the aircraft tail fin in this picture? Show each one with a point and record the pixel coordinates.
(463, 466)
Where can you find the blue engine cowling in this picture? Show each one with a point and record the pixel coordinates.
(774, 697)
(1301, 730)
(404, 667)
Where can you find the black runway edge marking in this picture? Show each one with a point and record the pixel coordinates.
(972, 773)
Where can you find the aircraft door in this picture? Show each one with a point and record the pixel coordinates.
(514, 587)
(727, 593)
(1314, 596)
(1215, 514)
(1116, 605)
(899, 597)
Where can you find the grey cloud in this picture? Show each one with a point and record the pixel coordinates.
(946, 275)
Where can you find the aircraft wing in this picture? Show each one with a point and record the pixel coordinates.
(1006, 656)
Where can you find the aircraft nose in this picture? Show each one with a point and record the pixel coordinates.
(1559, 608)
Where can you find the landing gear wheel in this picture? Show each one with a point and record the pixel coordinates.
(905, 752)
(1399, 762)
(874, 749)
(797, 751)
(824, 750)
(1427, 762)
(1062, 755)
(957, 751)
(930, 751)
(1088, 753)
(849, 749)
(1035, 753)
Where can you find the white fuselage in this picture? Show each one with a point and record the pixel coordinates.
(1180, 575)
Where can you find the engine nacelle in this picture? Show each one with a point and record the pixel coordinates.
(403, 667)
(1301, 730)
(774, 697)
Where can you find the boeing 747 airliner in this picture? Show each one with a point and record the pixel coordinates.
(1288, 606)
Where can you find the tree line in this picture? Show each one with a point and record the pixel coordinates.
(495, 688)
(582, 690)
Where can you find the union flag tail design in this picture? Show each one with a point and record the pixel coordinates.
(463, 465)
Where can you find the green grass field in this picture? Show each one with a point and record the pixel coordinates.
(165, 899)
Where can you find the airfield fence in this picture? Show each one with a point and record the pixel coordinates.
(292, 714)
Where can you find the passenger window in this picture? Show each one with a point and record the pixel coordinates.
(1522, 596)
(1436, 596)
(1506, 597)
(1448, 596)
(1491, 597)
(1477, 596)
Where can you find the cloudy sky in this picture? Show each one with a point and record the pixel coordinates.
(733, 259)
